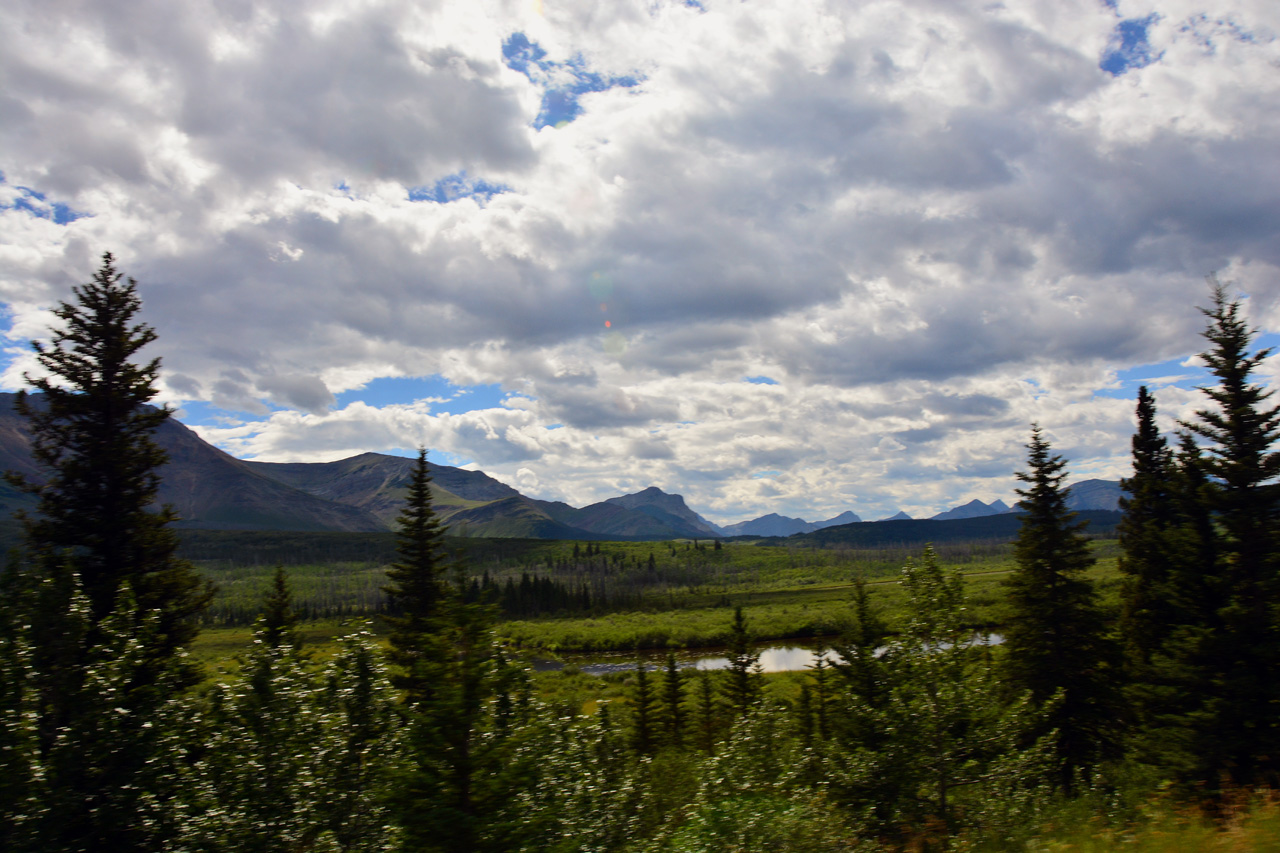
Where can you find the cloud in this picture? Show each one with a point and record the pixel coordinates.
(927, 224)
(298, 391)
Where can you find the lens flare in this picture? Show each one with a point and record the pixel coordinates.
(608, 325)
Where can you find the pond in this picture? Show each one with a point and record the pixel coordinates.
(772, 659)
(780, 658)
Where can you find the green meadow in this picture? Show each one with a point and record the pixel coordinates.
(686, 601)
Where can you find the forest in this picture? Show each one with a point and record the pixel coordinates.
(1128, 700)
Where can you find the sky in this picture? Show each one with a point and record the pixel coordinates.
(793, 256)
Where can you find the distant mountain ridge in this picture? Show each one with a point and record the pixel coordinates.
(209, 488)
(780, 525)
(913, 533)
(973, 509)
(212, 490)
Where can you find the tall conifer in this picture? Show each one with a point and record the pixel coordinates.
(742, 690)
(1056, 638)
(109, 606)
(91, 436)
(1232, 647)
(1149, 514)
(417, 586)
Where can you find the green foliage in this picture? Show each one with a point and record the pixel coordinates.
(672, 716)
(417, 590)
(1150, 514)
(467, 733)
(1056, 635)
(262, 769)
(642, 735)
(470, 756)
(108, 717)
(98, 609)
(91, 437)
(362, 748)
(741, 684)
(922, 734)
(1209, 690)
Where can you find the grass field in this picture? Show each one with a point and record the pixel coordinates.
(785, 594)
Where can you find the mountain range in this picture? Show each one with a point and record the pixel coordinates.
(212, 490)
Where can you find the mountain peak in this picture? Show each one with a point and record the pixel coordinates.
(657, 503)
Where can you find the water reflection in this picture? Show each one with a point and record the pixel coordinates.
(772, 659)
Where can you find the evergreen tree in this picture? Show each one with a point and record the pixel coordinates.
(1056, 637)
(417, 588)
(673, 715)
(21, 803)
(940, 722)
(471, 761)
(861, 674)
(1227, 647)
(91, 435)
(362, 747)
(742, 678)
(101, 608)
(1176, 693)
(1149, 516)
(706, 713)
(642, 736)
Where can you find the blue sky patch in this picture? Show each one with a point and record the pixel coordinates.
(404, 389)
(563, 83)
(435, 457)
(760, 380)
(35, 203)
(1162, 374)
(200, 413)
(456, 186)
(1129, 46)
(1173, 373)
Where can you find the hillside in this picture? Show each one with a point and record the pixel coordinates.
(210, 489)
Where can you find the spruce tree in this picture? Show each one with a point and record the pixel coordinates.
(417, 589)
(471, 762)
(643, 731)
(1231, 642)
(467, 761)
(91, 436)
(673, 713)
(108, 607)
(362, 747)
(706, 713)
(1149, 515)
(1056, 636)
(742, 690)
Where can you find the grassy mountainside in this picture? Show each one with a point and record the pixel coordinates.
(611, 520)
(376, 482)
(209, 488)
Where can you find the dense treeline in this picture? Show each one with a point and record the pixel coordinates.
(909, 741)
(618, 577)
